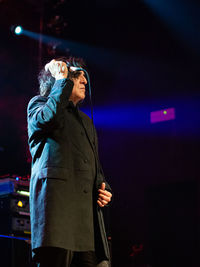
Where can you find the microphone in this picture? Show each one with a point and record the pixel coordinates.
(71, 68)
(75, 69)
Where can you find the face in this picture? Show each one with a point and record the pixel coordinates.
(78, 92)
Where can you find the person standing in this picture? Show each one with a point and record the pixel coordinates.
(67, 188)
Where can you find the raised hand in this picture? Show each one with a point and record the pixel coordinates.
(58, 69)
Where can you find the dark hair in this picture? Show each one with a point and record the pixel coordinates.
(46, 81)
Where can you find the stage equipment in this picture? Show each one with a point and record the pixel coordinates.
(15, 230)
(14, 207)
(18, 30)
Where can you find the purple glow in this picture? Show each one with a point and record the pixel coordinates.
(162, 115)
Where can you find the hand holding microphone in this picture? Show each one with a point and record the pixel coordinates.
(59, 69)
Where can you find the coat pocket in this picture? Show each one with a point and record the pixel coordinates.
(54, 172)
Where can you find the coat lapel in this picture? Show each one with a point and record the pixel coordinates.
(89, 130)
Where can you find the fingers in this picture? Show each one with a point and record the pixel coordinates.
(104, 196)
(105, 192)
(58, 69)
(103, 186)
(100, 204)
(48, 65)
(104, 199)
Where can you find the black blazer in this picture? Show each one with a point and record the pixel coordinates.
(65, 175)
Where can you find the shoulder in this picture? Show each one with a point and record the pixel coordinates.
(87, 120)
(85, 116)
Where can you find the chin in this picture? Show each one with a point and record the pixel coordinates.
(82, 96)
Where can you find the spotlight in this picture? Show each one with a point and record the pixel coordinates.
(18, 30)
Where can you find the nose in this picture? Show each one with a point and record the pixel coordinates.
(83, 79)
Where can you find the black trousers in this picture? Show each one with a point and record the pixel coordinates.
(58, 257)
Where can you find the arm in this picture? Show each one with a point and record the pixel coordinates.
(44, 112)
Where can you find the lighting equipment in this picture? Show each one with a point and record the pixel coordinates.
(18, 30)
(162, 115)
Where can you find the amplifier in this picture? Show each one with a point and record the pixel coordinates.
(14, 203)
(21, 224)
(14, 207)
(14, 185)
(15, 216)
(15, 225)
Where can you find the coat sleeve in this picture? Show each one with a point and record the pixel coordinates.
(45, 112)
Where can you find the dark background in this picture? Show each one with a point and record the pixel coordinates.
(144, 56)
